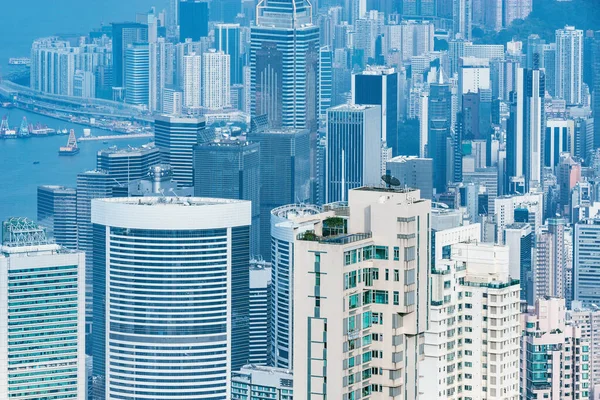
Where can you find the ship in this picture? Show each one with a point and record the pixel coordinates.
(5, 131)
(40, 130)
(71, 148)
(23, 129)
(19, 61)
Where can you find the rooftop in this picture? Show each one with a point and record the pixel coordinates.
(114, 150)
(292, 211)
(171, 201)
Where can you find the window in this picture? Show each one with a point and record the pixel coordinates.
(387, 274)
(396, 253)
(396, 275)
(367, 318)
(409, 276)
(409, 253)
(381, 252)
(350, 280)
(354, 301)
(396, 298)
(409, 298)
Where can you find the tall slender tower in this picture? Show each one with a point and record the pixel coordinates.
(284, 62)
(569, 64)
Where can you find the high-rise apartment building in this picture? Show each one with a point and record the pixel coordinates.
(161, 56)
(472, 342)
(42, 326)
(127, 164)
(137, 74)
(215, 80)
(57, 213)
(379, 86)
(551, 264)
(284, 63)
(588, 319)
(193, 19)
(284, 174)
(360, 290)
(473, 76)
(569, 65)
(176, 138)
(555, 356)
(192, 81)
(179, 302)
(53, 66)
(286, 223)
(124, 34)
(353, 149)
(230, 169)
(463, 19)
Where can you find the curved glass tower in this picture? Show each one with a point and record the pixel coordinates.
(171, 298)
(286, 222)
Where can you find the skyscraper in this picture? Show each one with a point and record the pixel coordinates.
(161, 55)
(193, 19)
(595, 61)
(284, 175)
(379, 86)
(215, 80)
(524, 132)
(284, 62)
(439, 113)
(362, 282)
(176, 138)
(258, 321)
(520, 238)
(550, 273)
(463, 19)
(413, 172)
(187, 313)
(325, 79)
(127, 164)
(230, 169)
(192, 81)
(286, 223)
(137, 74)
(586, 280)
(43, 320)
(227, 40)
(57, 213)
(353, 149)
(124, 34)
(569, 65)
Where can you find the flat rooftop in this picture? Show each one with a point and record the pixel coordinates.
(171, 201)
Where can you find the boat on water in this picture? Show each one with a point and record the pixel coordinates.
(71, 148)
(19, 61)
(36, 162)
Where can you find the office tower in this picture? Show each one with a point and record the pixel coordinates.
(127, 164)
(585, 258)
(372, 300)
(325, 79)
(201, 293)
(476, 116)
(379, 86)
(583, 137)
(43, 324)
(176, 138)
(258, 311)
(524, 131)
(172, 103)
(161, 55)
(559, 138)
(185, 49)
(569, 65)
(284, 64)
(589, 321)
(192, 81)
(193, 19)
(353, 149)
(472, 343)
(286, 223)
(124, 34)
(230, 169)
(90, 185)
(551, 260)
(519, 237)
(227, 10)
(257, 382)
(439, 120)
(57, 214)
(473, 76)
(215, 80)
(284, 174)
(595, 61)
(137, 74)
(463, 19)
(554, 355)
(413, 172)
(227, 40)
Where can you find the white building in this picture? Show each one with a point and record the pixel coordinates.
(473, 76)
(411, 38)
(84, 84)
(254, 382)
(173, 285)
(554, 355)
(588, 319)
(161, 55)
(505, 206)
(172, 101)
(42, 323)
(360, 303)
(215, 80)
(192, 81)
(472, 341)
(569, 65)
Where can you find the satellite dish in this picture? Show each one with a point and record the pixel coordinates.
(390, 180)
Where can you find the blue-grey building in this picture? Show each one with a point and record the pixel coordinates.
(57, 212)
(439, 124)
(586, 261)
(137, 74)
(124, 34)
(193, 19)
(127, 164)
(227, 40)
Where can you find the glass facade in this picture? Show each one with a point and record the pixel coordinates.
(57, 212)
